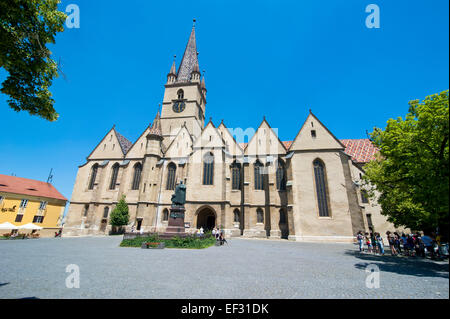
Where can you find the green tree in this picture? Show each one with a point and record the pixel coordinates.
(119, 216)
(26, 27)
(411, 172)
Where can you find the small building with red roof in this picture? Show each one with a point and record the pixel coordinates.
(24, 201)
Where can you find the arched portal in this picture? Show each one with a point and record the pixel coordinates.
(206, 218)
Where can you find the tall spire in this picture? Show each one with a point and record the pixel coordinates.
(189, 59)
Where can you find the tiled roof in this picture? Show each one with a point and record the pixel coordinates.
(361, 150)
(287, 144)
(189, 60)
(25, 186)
(125, 144)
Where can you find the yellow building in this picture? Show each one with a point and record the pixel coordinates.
(24, 201)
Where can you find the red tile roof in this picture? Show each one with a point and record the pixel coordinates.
(361, 150)
(25, 186)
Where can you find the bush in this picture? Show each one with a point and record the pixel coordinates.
(137, 242)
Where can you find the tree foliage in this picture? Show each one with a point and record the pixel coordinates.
(26, 27)
(411, 172)
(119, 216)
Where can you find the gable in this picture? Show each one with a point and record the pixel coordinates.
(109, 147)
(231, 146)
(265, 142)
(315, 136)
(137, 150)
(181, 145)
(210, 138)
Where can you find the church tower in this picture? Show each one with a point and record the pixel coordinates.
(184, 96)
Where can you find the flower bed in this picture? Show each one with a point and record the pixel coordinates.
(157, 245)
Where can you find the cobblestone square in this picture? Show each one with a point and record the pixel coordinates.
(246, 268)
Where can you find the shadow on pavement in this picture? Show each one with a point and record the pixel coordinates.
(412, 266)
(4, 284)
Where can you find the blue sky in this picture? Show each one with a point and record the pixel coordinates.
(272, 58)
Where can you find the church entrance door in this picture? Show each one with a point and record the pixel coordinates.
(206, 218)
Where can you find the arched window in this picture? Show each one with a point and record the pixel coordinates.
(165, 214)
(259, 216)
(208, 169)
(281, 176)
(137, 176)
(180, 94)
(321, 187)
(105, 212)
(259, 177)
(115, 172)
(236, 175)
(93, 176)
(283, 218)
(237, 217)
(171, 170)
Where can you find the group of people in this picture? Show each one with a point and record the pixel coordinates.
(220, 237)
(405, 244)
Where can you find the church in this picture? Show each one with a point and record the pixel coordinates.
(306, 189)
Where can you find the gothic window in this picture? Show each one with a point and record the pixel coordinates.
(165, 214)
(236, 175)
(105, 212)
(259, 216)
(137, 176)
(281, 176)
(283, 218)
(180, 94)
(170, 185)
(115, 172)
(208, 169)
(321, 187)
(259, 177)
(93, 176)
(236, 215)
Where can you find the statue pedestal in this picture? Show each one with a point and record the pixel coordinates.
(176, 224)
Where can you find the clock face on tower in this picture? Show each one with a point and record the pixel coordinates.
(178, 107)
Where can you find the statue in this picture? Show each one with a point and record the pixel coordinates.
(179, 197)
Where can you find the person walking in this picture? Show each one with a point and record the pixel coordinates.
(360, 239)
(428, 243)
(397, 243)
(410, 245)
(373, 240)
(380, 243)
(391, 242)
(368, 243)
